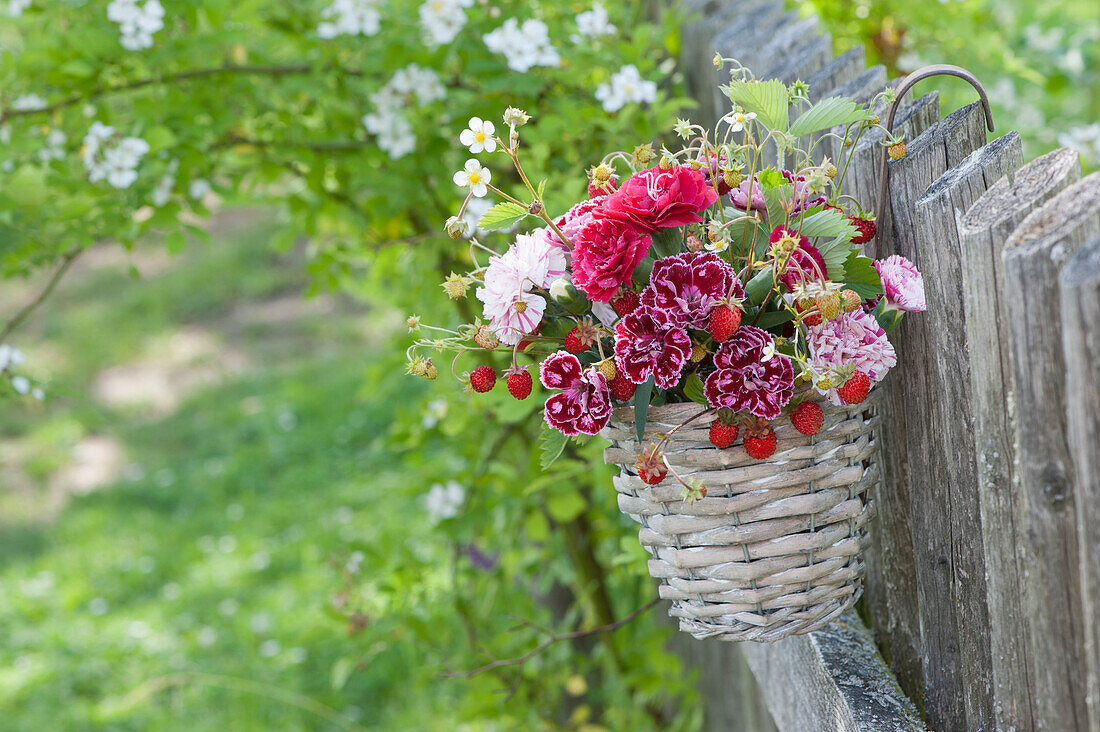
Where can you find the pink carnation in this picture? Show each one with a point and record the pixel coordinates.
(657, 199)
(584, 407)
(645, 345)
(605, 253)
(902, 283)
(800, 197)
(853, 340)
(801, 265)
(749, 375)
(684, 288)
(574, 220)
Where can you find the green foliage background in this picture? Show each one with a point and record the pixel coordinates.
(315, 462)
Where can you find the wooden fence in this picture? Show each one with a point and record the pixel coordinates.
(983, 586)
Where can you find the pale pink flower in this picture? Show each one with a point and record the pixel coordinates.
(902, 283)
(854, 340)
(513, 305)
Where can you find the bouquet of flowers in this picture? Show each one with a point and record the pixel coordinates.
(725, 272)
(695, 275)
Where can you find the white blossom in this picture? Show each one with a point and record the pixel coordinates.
(441, 20)
(28, 103)
(594, 22)
(1085, 139)
(21, 384)
(108, 157)
(388, 122)
(474, 177)
(16, 7)
(136, 23)
(738, 120)
(162, 193)
(350, 18)
(420, 81)
(10, 356)
(54, 149)
(199, 188)
(479, 136)
(626, 86)
(524, 46)
(443, 501)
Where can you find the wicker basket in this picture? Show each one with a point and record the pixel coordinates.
(775, 548)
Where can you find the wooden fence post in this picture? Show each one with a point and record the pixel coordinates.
(983, 230)
(1080, 299)
(1033, 258)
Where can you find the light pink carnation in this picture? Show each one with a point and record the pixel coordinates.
(902, 283)
(852, 340)
(512, 307)
(574, 220)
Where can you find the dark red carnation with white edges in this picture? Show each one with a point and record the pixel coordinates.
(645, 344)
(657, 199)
(749, 375)
(683, 289)
(584, 405)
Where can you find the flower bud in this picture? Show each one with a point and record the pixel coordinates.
(413, 322)
(457, 228)
(565, 293)
(455, 286)
(643, 154)
(515, 117)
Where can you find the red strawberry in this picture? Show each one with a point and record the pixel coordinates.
(651, 465)
(596, 188)
(519, 384)
(622, 388)
(809, 304)
(866, 230)
(483, 378)
(760, 445)
(855, 389)
(722, 435)
(724, 321)
(574, 343)
(807, 418)
(626, 303)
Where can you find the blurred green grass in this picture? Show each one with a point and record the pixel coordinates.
(218, 549)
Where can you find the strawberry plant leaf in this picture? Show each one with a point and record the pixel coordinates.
(551, 443)
(693, 389)
(501, 216)
(829, 113)
(768, 99)
(861, 276)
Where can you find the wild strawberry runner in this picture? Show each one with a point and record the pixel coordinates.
(728, 303)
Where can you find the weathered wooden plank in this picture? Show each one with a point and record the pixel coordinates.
(739, 38)
(948, 542)
(1080, 300)
(983, 230)
(807, 57)
(730, 693)
(832, 679)
(1033, 257)
(836, 72)
(908, 460)
(860, 88)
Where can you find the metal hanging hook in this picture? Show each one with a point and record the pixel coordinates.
(907, 84)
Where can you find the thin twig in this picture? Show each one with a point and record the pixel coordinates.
(519, 660)
(170, 78)
(30, 307)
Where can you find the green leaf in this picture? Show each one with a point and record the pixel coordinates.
(860, 275)
(565, 505)
(501, 216)
(160, 138)
(828, 222)
(341, 672)
(27, 186)
(829, 113)
(77, 68)
(536, 527)
(759, 286)
(551, 443)
(641, 407)
(768, 99)
(693, 389)
(774, 199)
(772, 318)
(771, 178)
(666, 242)
(835, 253)
(175, 241)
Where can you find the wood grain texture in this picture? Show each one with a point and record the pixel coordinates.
(948, 539)
(738, 39)
(832, 679)
(1079, 286)
(1033, 258)
(836, 72)
(983, 231)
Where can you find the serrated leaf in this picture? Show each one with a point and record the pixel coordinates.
(501, 216)
(768, 99)
(835, 252)
(693, 390)
(829, 222)
(829, 113)
(551, 443)
(861, 276)
(641, 407)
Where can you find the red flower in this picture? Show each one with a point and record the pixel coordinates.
(683, 289)
(656, 199)
(749, 375)
(805, 264)
(645, 344)
(605, 253)
(584, 407)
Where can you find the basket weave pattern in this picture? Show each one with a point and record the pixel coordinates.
(775, 548)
